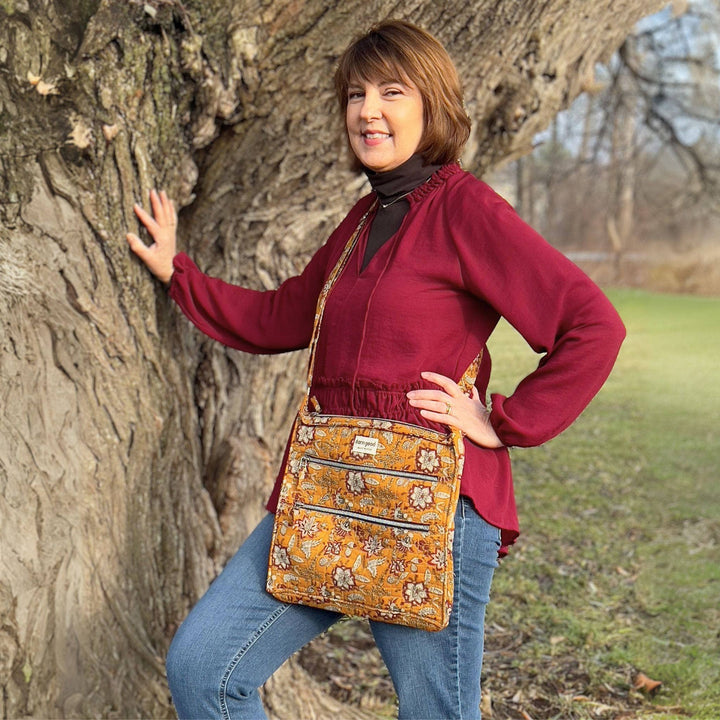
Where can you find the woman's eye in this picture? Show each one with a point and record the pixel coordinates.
(354, 94)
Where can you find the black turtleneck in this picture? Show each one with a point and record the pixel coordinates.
(391, 187)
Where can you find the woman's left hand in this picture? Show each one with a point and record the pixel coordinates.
(450, 406)
(162, 226)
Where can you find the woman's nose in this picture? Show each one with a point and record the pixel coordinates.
(371, 109)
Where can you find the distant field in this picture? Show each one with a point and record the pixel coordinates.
(618, 567)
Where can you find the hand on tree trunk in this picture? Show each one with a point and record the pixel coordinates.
(159, 256)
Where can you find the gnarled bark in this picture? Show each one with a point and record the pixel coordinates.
(134, 454)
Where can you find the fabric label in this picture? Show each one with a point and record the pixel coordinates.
(364, 445)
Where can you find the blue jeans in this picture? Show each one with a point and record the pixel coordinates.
(238, 635)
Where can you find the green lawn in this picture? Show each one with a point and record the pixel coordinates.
(618, 567)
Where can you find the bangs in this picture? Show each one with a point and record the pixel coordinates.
(372, 59)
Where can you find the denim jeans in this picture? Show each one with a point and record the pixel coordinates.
(238, 635)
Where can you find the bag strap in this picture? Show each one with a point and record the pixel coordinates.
(327, 287)
(467, 381)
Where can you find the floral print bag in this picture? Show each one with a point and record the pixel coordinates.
(365, 519)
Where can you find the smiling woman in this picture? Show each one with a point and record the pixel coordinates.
(416, 62)
(397, 308)
(384, 122)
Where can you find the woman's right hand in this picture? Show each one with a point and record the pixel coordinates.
(161, 225)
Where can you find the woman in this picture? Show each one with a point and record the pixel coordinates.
(440, 260)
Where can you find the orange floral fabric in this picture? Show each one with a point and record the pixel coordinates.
(365, 519)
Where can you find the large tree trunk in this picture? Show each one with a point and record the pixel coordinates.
(135, 454)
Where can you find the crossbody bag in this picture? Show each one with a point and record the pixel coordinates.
(366, 514)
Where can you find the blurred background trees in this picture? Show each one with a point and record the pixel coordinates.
(627, 180)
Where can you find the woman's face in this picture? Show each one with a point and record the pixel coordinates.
(384, 122)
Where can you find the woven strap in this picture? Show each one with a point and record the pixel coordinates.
(467, 381)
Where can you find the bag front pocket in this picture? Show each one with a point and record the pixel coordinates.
(381, 568)
(373, 519)
(374, 469)
(372, 494)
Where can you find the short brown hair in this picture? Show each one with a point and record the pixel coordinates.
(399, 50)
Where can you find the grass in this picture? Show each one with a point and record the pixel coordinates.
(618, 568)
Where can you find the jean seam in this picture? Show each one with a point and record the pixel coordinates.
(222, 692)
(456, 639)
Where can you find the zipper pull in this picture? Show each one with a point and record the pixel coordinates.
(302, 465)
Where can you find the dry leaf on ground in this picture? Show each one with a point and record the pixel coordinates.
(645, 684)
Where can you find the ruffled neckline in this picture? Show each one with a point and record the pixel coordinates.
(433, 182)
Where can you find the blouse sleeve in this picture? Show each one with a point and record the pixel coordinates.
(557, 309)
(271, 321)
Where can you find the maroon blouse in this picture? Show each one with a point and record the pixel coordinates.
(427, 301)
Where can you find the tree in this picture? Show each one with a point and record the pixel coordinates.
(620, 217)
(673, 65)
(640, 153)
(134, 454)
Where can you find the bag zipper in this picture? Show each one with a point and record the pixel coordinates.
(400, 524)
(424, 428)
(367, 468)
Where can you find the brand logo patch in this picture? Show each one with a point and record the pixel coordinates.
(364, 445)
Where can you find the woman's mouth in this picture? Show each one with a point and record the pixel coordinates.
(374, 138)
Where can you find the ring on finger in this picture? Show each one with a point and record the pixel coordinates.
(448, 408)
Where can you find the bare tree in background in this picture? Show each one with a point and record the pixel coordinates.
(135, 454)
(638, 158)
(675, 68)
(623, 171)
